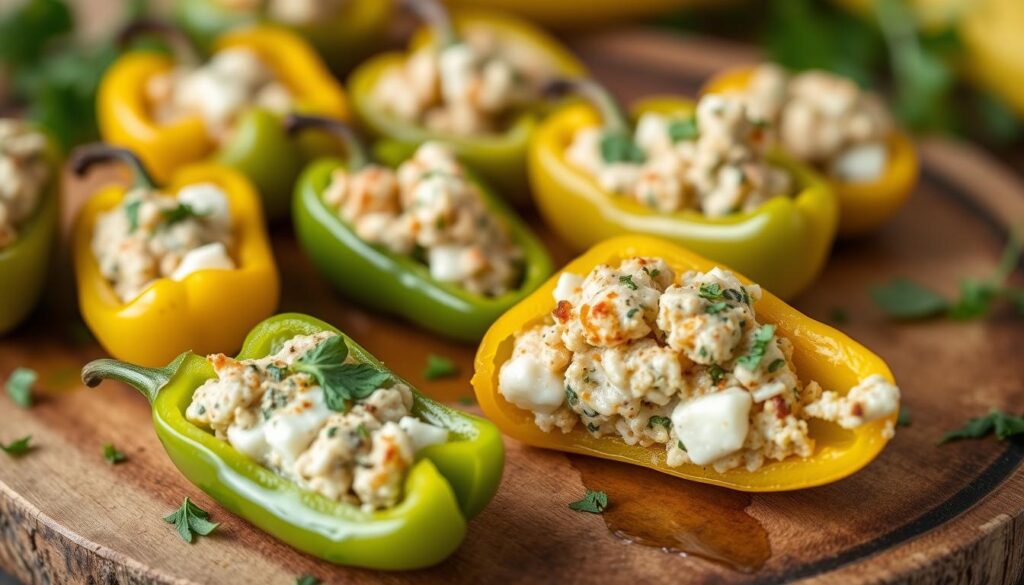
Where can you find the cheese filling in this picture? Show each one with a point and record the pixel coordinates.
(280, 418)
(428, 208)
(24, 172)
(468, 88)
(636, 352)
(824, 119)
(232, 81)
(153, 235)
(713, 162)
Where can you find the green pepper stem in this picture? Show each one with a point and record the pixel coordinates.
(358, 157)
(436, 16)
(85, 157)
(148, 381)
(184, 50)
(612, 116)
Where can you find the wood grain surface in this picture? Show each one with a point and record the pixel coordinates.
(918, 514)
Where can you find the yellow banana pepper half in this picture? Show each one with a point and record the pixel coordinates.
(257, 146)
(863, 206)
(783, 243)
(208, 311)
(820, 353)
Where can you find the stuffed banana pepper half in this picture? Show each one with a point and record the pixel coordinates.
(308, 437)
(174, 110)
(30, 169)
(343, 31)
(845, 133)
(162, 270)
(697, 174)
(643, 352)
(426, 240)
(473, 82)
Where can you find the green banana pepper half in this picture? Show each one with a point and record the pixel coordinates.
(447, 485)
(393, 283)
(25, 263)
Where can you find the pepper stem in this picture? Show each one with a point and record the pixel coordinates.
(184, 50)
(148, 381)
(358, 157)
(436, 16)
(612, 116)
(85, 157)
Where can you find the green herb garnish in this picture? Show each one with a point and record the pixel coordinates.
(996, 421)
(571, 397)
(189, 519)
(18, 447)
(631, 312)
(340, 381)
(905, 299)
(439, 367)
(112, 455)
(363, 432)
(681, 446)
(181, 212)
(19, 386)
(683, 129)
(903, 419)
(593, 503)
(762, 337)
(775, 365)
(628, 281)
(276, 373)
(660, 420)
(307, 579)
(715, 308)
(716, 372)
(618, 147)
(131, 211)
(711, 292)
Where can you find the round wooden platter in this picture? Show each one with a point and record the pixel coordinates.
(919, 513)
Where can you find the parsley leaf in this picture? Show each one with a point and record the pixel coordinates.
(1003, 425)
(681, 446)
(715, 308)
(307, 579)
(593, 503)
(189, 519)
(131, 211)
(716, 372)
(439, 367)
(340, 381)
(683, 129)
(762, 337)
(627, 280)
(112, 455)
(903, 419)
(618, 147)
(660, 420)
(571, 397)
(710, 291)
(775, 365)
(18, 447)
(19, 386)
(180, 213)
(905, 299)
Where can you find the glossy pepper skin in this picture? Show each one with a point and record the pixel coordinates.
(863, 206)
(783, 244)
(258, 146)
(209, 310)
(24, 264)
(449, 483)
(393, 283)
(499, 158)
(820, 353)
(342, 40)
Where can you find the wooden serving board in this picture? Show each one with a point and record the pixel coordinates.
(919, 514)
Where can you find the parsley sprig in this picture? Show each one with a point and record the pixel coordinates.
(902, 298)
(593, 503)
(439, 367)
(19, 386)
(18, 447)
(618, 147)
(996, 421)
(189, 520)
(762, 337)
(341, 382)
(112, 455)
(307, 579)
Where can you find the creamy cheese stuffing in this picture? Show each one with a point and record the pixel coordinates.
(635, 352)
(429, 209)
(713, 162)
(218, 91)
(153, 235)
(468, 88)
(295, 12)
(280, 419)
(822, 118)
(23, 176)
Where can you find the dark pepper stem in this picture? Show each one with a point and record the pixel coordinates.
(184, 50)
(358, 157)
(148, 381)
(85, 157)
(436, 16)
(614, 118)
